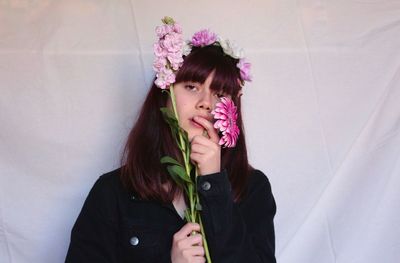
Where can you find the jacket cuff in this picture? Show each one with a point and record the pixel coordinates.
(214, 184)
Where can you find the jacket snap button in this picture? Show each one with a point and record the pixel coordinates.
(206, 186)
(134, 241)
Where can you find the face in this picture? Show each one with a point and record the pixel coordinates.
(195, 99)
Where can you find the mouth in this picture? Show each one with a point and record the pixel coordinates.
(195, 124)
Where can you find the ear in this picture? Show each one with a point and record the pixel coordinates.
(240, 93)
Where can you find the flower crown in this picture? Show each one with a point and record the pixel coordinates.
(170, 49)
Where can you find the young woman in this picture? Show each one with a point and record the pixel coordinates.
(135, 213)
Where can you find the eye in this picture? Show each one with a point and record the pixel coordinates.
(219, 95)
(191, 87)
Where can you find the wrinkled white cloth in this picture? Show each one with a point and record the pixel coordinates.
(322, 115)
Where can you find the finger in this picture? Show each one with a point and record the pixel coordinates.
(196, 158)
(187, 243)
(199, 148)
(197, 251)
(195, 240)
(209, 127)
(186, 230)
(199, 259)
(199, 139)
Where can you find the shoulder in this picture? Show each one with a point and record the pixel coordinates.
(259, 190)
(109, 178)
(257, 180)
(106, 187)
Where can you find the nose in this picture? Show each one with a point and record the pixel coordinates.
(205, 101)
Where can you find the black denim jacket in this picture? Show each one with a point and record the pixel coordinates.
(115, 226)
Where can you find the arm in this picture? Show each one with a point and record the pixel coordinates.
(238, 232)
(93, 237)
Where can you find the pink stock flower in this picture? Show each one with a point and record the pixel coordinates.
(203, 38)
(225, 113)
(244, 67)
(158, 50)
(172, 42)
(165, 77)
(163, 30)
(159, 64)
(168, 53)
(176, 60)
(177, 28)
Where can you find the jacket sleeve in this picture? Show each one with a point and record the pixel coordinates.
(242, 232)
(94, 234)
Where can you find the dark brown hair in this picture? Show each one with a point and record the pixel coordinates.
(150, 139)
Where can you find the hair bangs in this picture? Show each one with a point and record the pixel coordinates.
(195, 68)
(226, 80)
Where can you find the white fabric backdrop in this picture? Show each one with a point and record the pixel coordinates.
(322, 115)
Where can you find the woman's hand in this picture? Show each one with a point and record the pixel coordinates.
(187, 248)
(206, 152)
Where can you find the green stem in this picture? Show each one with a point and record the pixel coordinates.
(207, 252)
(205, 245)
(173, 100)
(183, 151)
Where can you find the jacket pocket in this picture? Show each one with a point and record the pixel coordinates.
(141, 243)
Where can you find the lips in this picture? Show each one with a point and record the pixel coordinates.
(194, 123)
(207, 117)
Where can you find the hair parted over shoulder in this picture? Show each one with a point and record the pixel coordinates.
(150, 139)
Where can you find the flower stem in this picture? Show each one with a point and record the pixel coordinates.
(207, 252)
(184, 148)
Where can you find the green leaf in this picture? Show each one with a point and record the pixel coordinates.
(172, 122)
(170, 119)
(185, 136)
(167, 112)
(187, 152)
(168, 159)
(177, 179)
(175, 170)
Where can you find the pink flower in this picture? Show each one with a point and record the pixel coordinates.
(162, 30)
(225, 113)
(177, 28)
(244, 67)
(159, 64)
(203, 38)
(158, 50)
(168, 52)
(164, 78)
(176, 60)
(173, 42)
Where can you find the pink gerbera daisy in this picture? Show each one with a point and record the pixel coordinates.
(225, 113)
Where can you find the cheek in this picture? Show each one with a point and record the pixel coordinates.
(182, 109)
(182, 102)
(179, 102)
